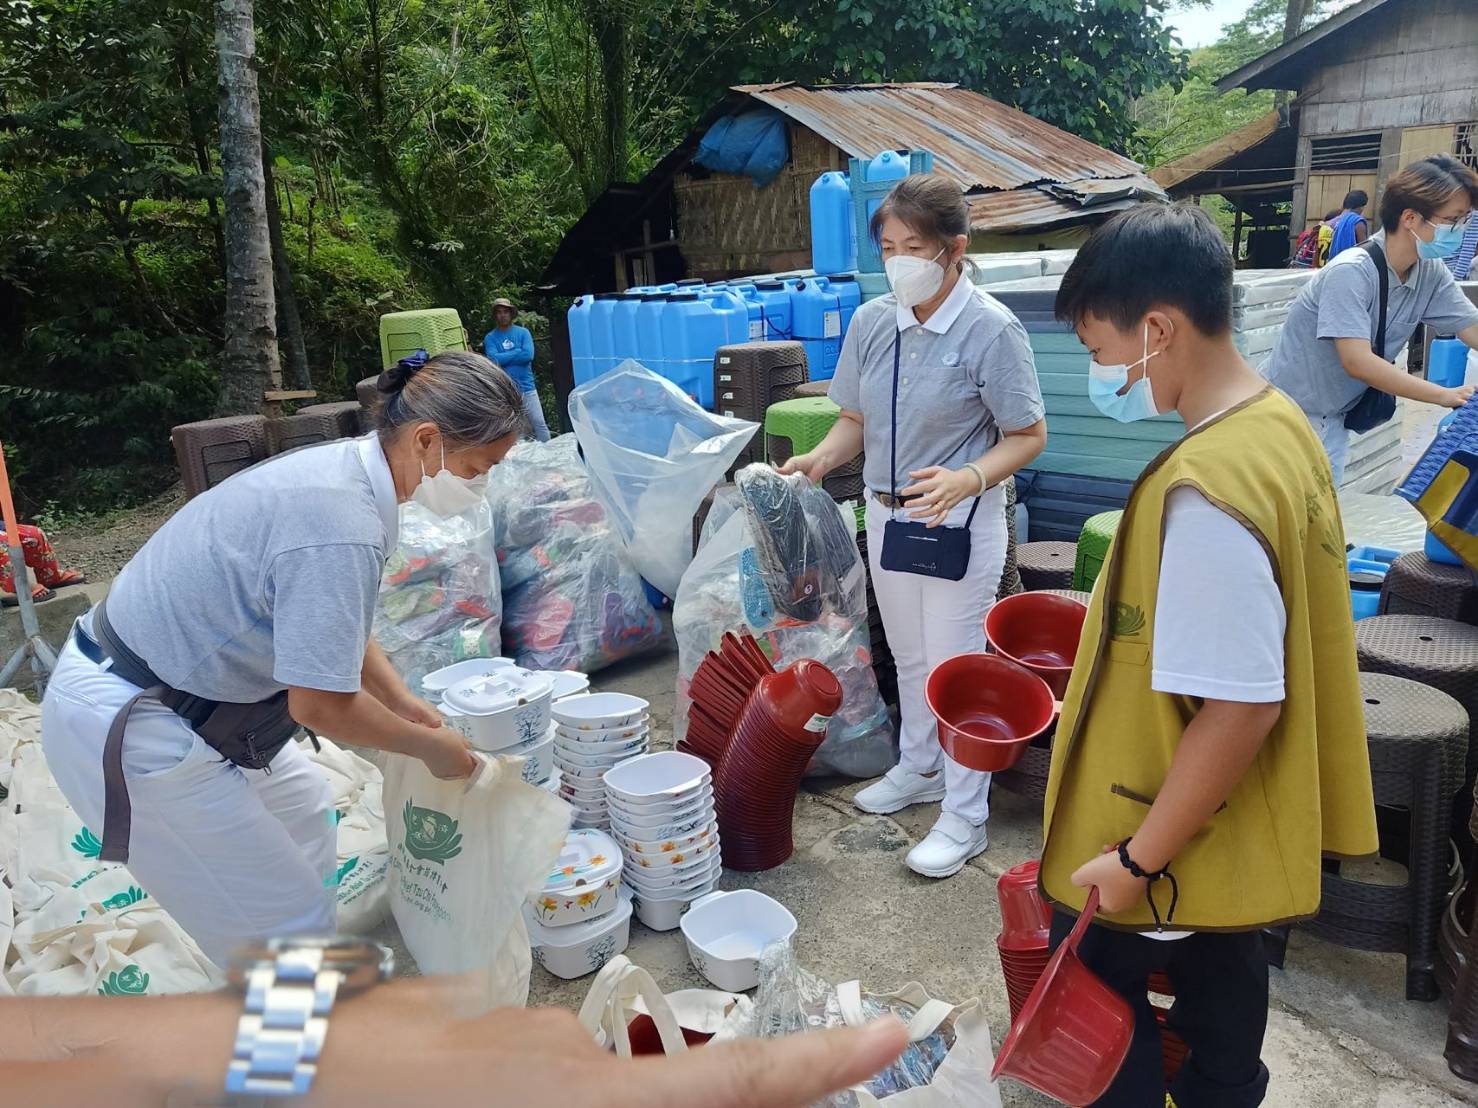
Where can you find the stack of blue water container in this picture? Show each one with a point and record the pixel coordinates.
(675, 329)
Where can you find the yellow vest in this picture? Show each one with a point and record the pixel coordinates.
(1257, 862)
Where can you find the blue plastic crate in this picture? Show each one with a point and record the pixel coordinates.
(868, 261)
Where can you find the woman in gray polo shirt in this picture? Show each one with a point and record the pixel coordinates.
(262, 591)
(1325, 357)
(968, 415)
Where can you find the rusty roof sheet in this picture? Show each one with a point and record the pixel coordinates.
(979, 142)
(1021, 209)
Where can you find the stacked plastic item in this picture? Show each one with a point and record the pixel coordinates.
(662, 815)
(779, 730)
(592, 734)
(579, 920)
(1024, 948)
(1441, 486)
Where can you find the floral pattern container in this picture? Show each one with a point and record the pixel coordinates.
(509, 707)
(582, 948)
(583, 884)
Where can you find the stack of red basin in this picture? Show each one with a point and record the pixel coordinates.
(1026, 923)
(779, 729)
(719, 689)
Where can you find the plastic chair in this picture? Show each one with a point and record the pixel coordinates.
(1416, 585)
(430, 329)
(1093, 544)
(211, 450)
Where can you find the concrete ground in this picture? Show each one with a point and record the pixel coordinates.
(1340, 1031)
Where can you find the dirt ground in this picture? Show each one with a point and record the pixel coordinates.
(100, 548)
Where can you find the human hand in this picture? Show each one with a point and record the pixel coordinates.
(814, 466)
(1118, 889)
(1458, 395)
(411, 707)
(941, 489)
(400, 1048)
(448, 755)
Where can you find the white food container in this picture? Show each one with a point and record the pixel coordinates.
(595, 757)
(661, 912)
(727, 932)
(664, 827)
(538, 757)
(631, 843)
(581, 948)
(574, 735)
(568, 682)
(666, 777)
(575, 790)
(439, 680)
(622, 748)
(582, 884)
(677, 860)
(589, 776)
(600, 711)
(500, 709)
(668, 810)
(665, 883)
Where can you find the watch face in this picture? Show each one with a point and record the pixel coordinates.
(363, 963)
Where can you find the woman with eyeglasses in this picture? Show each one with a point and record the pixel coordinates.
(1327, 356)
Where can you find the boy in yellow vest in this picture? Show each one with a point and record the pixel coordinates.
(1211, 747)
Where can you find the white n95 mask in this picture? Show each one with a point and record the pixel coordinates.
(914, 280)
(446, 494)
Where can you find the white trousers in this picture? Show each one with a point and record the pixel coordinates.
(233, 855)
(927, 620)
(1335, 436)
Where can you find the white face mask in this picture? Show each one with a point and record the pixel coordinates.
(445, 494)
(914, 280)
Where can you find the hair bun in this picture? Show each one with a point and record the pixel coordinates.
(395, 378)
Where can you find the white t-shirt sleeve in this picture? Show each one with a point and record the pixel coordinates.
(1219, 617)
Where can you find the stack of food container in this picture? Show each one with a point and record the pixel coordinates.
(505, 709)
(592, 734)
(661, 811)
(579, 920)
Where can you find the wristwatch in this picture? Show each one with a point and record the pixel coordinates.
(290, 987)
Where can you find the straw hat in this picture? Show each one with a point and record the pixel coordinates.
(504, 302)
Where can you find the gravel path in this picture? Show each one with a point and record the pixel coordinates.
(101, 548)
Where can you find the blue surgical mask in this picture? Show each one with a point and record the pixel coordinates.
(1446, 238)
(1106, 381)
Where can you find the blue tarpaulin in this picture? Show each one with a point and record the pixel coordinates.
(753, 145)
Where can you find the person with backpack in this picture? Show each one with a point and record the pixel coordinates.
(1349, 227)
(1312, 249)
(1352, 319)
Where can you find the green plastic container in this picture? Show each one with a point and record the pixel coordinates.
(797, 426)
(430, 329)
(1093, 547)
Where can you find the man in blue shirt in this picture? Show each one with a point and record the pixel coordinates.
(512, 348)
(1351, 228)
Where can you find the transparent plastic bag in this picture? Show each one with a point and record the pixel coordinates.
(653, 455)
(731, 586)
(947, 1063)
(571, 598)
(440, 600)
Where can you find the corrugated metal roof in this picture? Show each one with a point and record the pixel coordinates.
(979, 142)
(1020, 209)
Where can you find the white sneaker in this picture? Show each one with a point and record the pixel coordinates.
(899, 789)
(947, 848)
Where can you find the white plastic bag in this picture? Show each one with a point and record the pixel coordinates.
(440, 600)
(464, 855)
(653, 455)
(947, 1063)
(729, 587)
(572, 599)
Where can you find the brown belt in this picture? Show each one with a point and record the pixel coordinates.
(891, 502)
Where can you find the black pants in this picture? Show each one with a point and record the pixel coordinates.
(1221, 1011)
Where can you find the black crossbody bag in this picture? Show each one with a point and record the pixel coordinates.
(910, 546)
(1375, 407)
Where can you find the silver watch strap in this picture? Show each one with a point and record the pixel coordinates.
(280, 1035)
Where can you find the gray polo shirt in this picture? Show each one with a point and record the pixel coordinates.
(267, 580)
(1342, 301)
(965, 378)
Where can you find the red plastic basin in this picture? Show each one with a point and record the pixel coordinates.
(1073, 1033)
(1040, 630)
(989, 709)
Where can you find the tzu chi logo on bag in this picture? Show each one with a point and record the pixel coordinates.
(431, 836)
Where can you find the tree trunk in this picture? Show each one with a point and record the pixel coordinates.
(249, 364)
(289, 322)
(1293, 21)
(609, 28)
